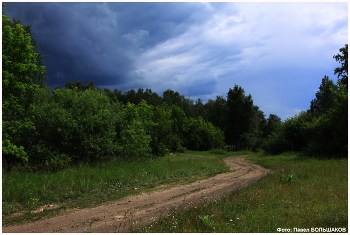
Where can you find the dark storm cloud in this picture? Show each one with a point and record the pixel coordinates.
(278, 52)
(64, 36)
(98, 41)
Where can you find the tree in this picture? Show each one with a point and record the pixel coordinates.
(199, 109)
(80, 85)
(38, 78)
(72, 126)
(273, 124)
(114, 96)
(168, 134)
(202, 135)
(238, 116)
(179, 118)
(327, 134)
(216, 110)
(322, 130)
(135, 125)
(186, 104)
(131, 97)
(289, 135)
(324, 97)
(343, 70)
(254, 136)
(293, 129)
(150, 97)
(163, 137)
(19, 84)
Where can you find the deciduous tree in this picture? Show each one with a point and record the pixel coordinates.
(324, 97)
(342, 71)
(238, 116)
(19, 84)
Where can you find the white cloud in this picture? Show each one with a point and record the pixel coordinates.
(291, 58)
(290, 26)
(278, 52)
(252, 45)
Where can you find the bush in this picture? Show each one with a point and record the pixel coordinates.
(290, 136)
(276, 144)
(135, 127)
(202, 135)
(218, 151)
(72, 123)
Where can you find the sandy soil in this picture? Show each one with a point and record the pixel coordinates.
(130, 212)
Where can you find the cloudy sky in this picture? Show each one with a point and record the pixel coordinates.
(277, 52)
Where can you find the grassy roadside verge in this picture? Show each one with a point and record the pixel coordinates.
(299, 193)
(87, 186)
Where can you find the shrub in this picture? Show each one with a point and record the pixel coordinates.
(135, 127)
(72, 123)
(202, 135)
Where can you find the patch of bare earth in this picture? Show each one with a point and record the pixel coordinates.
(123, 215)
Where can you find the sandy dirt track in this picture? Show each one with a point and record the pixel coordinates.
(120, 216)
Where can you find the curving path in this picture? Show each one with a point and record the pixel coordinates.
(120, 216)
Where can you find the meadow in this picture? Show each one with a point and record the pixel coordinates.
(89, 185)
(299, 194)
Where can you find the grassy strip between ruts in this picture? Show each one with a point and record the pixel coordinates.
(299, 195)
(87, 186)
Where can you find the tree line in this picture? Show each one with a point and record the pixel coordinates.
(51, 129)
(322, 130)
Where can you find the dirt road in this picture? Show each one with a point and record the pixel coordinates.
(120, 216)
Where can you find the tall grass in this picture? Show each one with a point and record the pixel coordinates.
(110, 180)
(298, 193)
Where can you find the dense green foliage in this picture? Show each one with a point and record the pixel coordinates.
(342, 71)
(51, 129)
(328, 133)
(322, 130)
(72, 126)
(19, 84)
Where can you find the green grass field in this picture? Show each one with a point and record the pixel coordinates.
(299, 193)
(84, 185)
